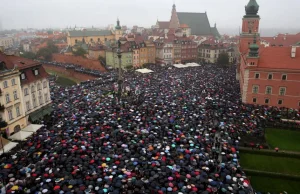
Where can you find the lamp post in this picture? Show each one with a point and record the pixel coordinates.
(120, 79)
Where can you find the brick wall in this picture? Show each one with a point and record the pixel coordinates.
(83, 62)
(70, 73)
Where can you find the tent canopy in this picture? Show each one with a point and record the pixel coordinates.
(187, 65)
(32, 128)
(21, 135)
(144, 70)
(7, 145)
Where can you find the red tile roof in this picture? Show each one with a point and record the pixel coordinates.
(164, 25)
(279, 58)
(282, 39)
(30, 77)
(3, 58)
(27, 66)
(184, 26)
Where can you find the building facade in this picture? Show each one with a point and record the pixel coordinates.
(11, 100)
(267, 75)
(35, 89)
(6, 42)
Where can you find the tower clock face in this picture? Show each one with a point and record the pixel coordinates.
(250, 24)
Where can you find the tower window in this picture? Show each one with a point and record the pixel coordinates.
(267, 101)
(284, 77)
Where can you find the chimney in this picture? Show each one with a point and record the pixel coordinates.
(293, 53)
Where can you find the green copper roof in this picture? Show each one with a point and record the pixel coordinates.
(198, 22)
(79, 33)
(252, 8)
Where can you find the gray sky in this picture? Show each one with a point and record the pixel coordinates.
(279, 14)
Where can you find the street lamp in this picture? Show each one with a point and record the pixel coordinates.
(120, 79)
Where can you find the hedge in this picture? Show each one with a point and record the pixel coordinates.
(271, 174)
(270, 152)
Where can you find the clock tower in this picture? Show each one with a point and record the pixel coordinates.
(250, 27)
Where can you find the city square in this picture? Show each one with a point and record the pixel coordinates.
(178, 109)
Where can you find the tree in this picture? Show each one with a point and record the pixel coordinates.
(223, 59)
(28, 55)
(47, 52)
(79, 52)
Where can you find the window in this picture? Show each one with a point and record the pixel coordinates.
(45, 84)
(254, 100)
(279, 101)
(39, 86)
(98, 39)
(256, 75)
(36, 72)
(91, 40)
(282, 91)
(15, 94)
(40, 98)
(270, 76)
(76, 41)
(25, 91)
(105, 39)
(27, 106)
(18, 111)
(10, 114)
(23, 76)
(255, 89)
(7, 98)
(267, 101)
(283, 77)
(268, 90)
(298, 103)
(5, 84)
(32, 88)
(13, 82)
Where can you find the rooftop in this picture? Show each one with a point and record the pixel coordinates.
(279, 58)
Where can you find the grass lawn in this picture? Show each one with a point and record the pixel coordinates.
(63, 76)
(65, 81)
(276, 185)
(270, 163)
(283, 139)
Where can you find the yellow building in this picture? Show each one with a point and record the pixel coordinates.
(150, 51)
(94, 36)
(11, 109)
(143, 54)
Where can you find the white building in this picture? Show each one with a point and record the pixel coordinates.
(6, 42)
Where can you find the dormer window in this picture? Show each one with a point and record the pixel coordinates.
(23, 76)
(36, 72)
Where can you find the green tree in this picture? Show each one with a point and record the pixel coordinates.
(79, 52)
(28, 55)
(47, 52)
(223, 59)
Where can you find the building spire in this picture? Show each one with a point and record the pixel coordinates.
(254, 48)
(118, 27)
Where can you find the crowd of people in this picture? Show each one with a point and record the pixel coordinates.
(174, 131)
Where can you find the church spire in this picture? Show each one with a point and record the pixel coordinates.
(174, 22)
(118, 27)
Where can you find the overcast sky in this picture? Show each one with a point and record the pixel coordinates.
(61, 13)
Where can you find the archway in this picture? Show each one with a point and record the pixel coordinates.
(17, 128)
